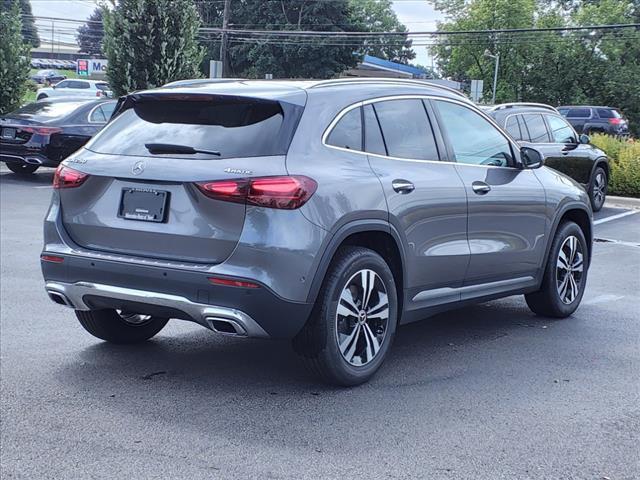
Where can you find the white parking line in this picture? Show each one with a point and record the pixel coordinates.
(615, 217)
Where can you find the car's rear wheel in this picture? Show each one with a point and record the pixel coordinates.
(22, 168)
(565, 275)
(41, 97)
(120, 327)
(354, 320)
(598, 189)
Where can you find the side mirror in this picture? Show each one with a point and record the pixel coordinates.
(531, 158)
(584, 139)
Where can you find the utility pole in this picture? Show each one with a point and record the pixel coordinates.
(223, 39)
(496, 57)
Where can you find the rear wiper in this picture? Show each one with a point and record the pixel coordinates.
(160, 148)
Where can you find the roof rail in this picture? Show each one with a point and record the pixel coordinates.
(397, 81)
(524, 104)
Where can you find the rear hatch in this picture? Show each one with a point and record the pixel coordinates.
(151, 201)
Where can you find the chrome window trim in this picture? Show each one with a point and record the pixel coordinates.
(91, 113)
(370, 101)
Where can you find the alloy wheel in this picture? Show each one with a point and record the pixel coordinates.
(569, 270)
(362, 317)
(599, 188)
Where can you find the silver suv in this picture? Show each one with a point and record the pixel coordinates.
(326, 212)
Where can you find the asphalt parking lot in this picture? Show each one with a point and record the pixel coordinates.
(485, 392)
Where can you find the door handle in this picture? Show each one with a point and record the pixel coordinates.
(403, 186)
(480, 188)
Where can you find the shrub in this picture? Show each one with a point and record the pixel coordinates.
(624, 156)
(14, 64)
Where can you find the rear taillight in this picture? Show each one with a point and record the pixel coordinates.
(66, 177)
(615, 121)
(285, 192)
(41, 130)
(99, 93)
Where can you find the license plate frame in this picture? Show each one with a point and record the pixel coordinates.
(5, 131)
(143, 204)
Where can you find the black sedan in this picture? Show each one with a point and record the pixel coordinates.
(45, 133)
(48, 76)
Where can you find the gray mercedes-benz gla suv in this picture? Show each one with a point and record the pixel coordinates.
(326, 212)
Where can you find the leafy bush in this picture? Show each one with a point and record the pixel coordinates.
(624, 156)
(14, 64)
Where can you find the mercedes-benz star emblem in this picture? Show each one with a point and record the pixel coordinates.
(137, 168)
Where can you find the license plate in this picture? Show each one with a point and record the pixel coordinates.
(8, 134)
(143, 204)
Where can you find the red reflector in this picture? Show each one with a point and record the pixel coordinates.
(41, 130)
(283, 192)
(51, 258)
(66, 177)
(227, 282)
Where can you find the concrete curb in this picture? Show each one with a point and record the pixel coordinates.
(622, 202)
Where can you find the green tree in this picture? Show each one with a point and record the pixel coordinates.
(151, 42)
(378, 16)
(29, 30)
(290, 56)
(14, 64)
(91, 35)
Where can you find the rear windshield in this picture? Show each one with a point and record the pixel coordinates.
(46, 110)
(233, 126)
(102, 86)
(608, 113)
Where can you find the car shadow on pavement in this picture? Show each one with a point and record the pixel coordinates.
(201, 360)
(39, 178)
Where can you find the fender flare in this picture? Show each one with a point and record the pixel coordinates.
(600, 161)
(335, 240)
(554, 228)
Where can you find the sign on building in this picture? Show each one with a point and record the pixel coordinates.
(91, 66)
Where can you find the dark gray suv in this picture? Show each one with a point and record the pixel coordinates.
(326, 212)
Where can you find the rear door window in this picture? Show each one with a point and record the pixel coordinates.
(579, 113)
(234, 126)
(347, 133)
(536, 128)
(406, 129)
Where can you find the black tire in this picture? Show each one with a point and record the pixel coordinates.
(547, 301)
(22, 168)
(317, 343)
(598, 189)
(40, 97)
(109, 325)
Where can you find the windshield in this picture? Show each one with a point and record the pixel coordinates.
(234, 126)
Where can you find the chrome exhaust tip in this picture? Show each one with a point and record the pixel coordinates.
(33, 161)
(60, 298)
(226, 326)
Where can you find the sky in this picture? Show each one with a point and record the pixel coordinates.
(417, 15)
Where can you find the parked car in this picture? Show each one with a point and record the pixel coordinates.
(50, 76)
(542, 127)
(37, 63)
(327, 212)
(44, 133)
(587, 119)
(76, 88)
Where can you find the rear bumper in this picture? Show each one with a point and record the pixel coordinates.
(91, 284)
(84, 295)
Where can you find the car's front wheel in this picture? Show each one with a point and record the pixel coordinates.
(354, 320)
(598, 189)
(22, 168)
(565, 275)
(120, 327)
(42, 97)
